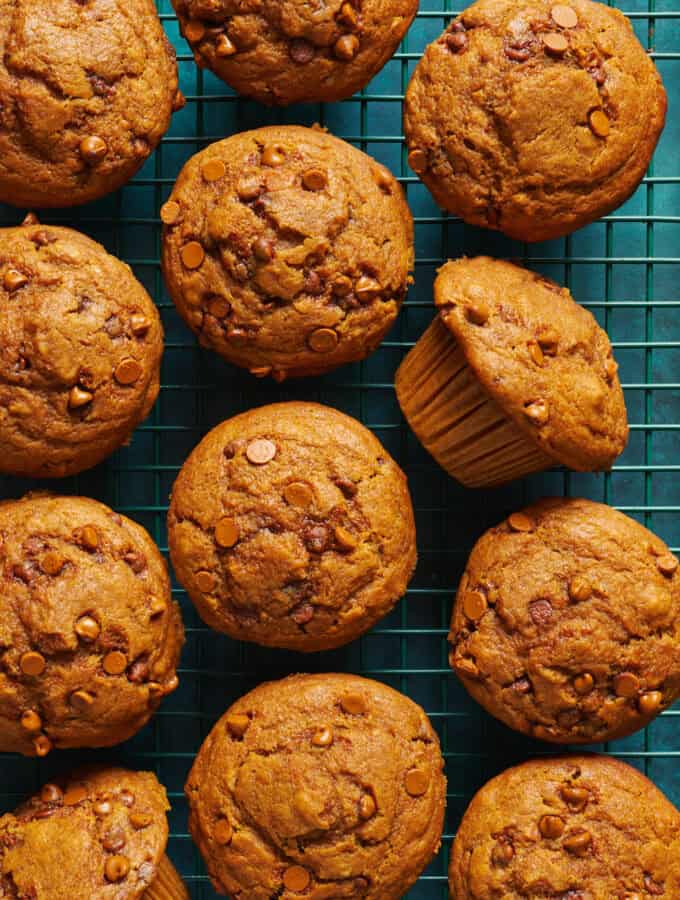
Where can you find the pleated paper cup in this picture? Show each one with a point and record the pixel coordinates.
(167, 885)
(456, 420)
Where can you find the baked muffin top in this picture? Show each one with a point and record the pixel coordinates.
(573, 827)
(96, 834)
(293, 51)
(290, 525)
(540, 356)
(89, 636)
(287, 250)
(86, 93)
(80, 351)
(566, 624)
(525, 116)
(327, 785)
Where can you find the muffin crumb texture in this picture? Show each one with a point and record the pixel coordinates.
(292, 51)
(540, 356)
(326, 786)
(565, 625)
(570, 828)
(97, 834)
(287, 250)
(80, 352)
(86, 91)
(89, 635)
(291, 526)
(525, 117)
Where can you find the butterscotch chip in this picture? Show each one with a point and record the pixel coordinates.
(314, 179)
(140, 820)
(223, 832)
(273, 156)
(32, 663)
(555, 43)
(31, 721)
(282, 767)
(417, 782)
(78, 398)
(194, 31)
(594, 851)
(417, 161)
(213, 170)
(323, 340)
(116, 868)
(478, 312)
(87, 628)
(157, 607)
(93, 149)
(261, 451)
(474, 604)
(52, 563)
(295, 515)
(193, 255)
(238, 724)
(535, 352)
(551, 826)
(346, 47)
(537, 412)
(51, 793)
(127, 372)
(170, 212)
(560, 631)
(599, 123)
(226, 532)
(225, 47)
(353, 704)
(82, 700)
(42, 745)
(14, 280)
(667, 564)
(564, 16)
(520, 522)
(114, 663)
(75, 795)
(140, 325)
(576, 797)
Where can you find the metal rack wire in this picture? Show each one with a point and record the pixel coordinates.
(624, 268)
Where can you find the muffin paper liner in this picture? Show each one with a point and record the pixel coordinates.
(456, 420)
(167, 885)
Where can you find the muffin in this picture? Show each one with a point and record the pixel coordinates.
(329, 786)
(512, 377)
(567, 623)
(96, 834)
(86, 93)
(291, 526)
(89, 635)
(295, 52)
(526, 117)
(570, 827)
(80, 351)
(286, 250)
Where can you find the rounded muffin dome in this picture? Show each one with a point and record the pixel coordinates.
(565, 625)
(330, 785)
(89, 635)
(291, 526)
(526, 117)
(287, 250)
(80, 352)
(86, 91)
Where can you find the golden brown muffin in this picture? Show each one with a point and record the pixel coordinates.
(567, 623)
(287, 250)
(86, 93)
(569, 828)
(80, 352)
(293, 51)
(291, 526)
(526, 117)
(511, 378)
(329, 786)
(96, 834)
(89, 635)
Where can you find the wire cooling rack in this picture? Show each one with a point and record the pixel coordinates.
(624, 268)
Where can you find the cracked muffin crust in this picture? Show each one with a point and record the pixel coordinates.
(513, 377)
(324, 785)
(86, 93)
(294, 51)
(566, 623)
(80, 351)
(287, 250)
(525, 117)
(291, 526)
(95, 834)
(89, 635)
(580, 827)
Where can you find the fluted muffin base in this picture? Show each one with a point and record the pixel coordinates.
(167, 885)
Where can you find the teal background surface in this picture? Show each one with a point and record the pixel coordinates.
(624, 268)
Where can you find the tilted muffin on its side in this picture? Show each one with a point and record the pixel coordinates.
(291, 526)
(96, 834)
(568, 827)
(329, 786)
(89, 635)
(526, 116)
(512, 377)
(293, 51)
(86, 94)
(287, 250)
(80, 352)
(567, 623)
